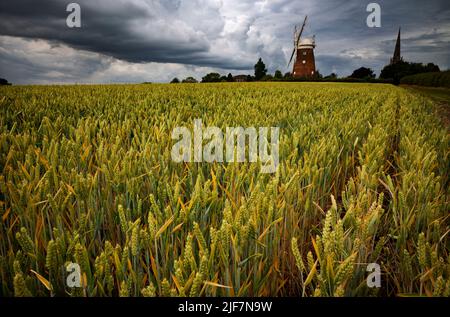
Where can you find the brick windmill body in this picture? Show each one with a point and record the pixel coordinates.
(305, 64)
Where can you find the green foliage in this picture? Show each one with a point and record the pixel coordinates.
(401, 69)
(4, 82)
(260, 69)
(432, 79)
(363, 73)
(278, 74)
(190, 80)
(211, 78)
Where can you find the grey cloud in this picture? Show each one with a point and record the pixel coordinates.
(127, 31)
(36, 61)
(225, 35)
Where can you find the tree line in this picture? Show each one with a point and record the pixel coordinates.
(391, 73)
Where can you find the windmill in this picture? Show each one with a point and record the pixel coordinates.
(304, 65)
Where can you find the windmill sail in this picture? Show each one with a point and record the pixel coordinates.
(298, 40)
(290, 60)
(301, 31)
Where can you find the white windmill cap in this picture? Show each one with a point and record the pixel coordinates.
(307, 42)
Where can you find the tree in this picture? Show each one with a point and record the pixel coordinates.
(260, 69)
(175, 81)
(318, 75)
(4, 82)
(363, 73)
(189, 80)
(288, 75)
(431, 68)
(401, 69)
(278, 74)
(267, 78)
(331, 76)
(211, 78)
(230, 78)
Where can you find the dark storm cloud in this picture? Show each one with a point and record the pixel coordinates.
(425, 43)
(127, 31)
(344, 40)
(220, 35)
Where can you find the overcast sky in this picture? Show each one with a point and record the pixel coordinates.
(156, 40)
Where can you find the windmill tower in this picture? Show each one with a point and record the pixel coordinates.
(304, 65)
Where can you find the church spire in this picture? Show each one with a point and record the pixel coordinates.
(397, 57)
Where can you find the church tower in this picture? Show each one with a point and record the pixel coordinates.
(397, 56)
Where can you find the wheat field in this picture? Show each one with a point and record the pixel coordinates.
(87, 177)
